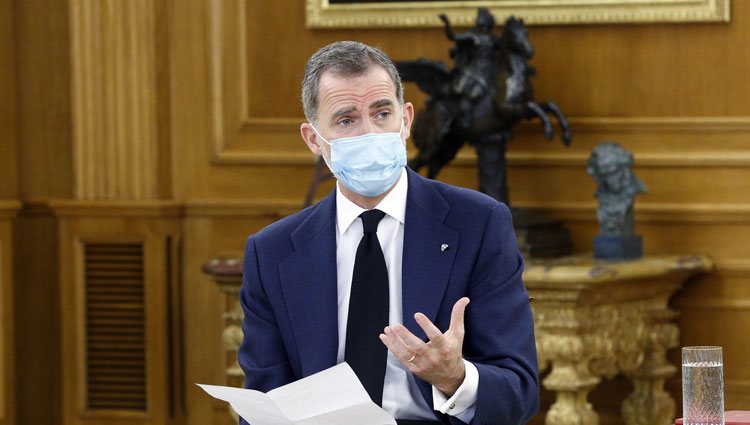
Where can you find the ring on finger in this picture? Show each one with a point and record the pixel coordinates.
(413, 356)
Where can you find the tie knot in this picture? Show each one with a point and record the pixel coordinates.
(370, 220)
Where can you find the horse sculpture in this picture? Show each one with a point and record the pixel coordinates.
(479, 101)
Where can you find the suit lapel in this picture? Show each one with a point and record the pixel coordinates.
(426, 267)
(308, 276)
(308, 281)
(427, 261)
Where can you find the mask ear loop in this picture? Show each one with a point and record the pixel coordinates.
(403, 126)
(318, 134)
(328, 164)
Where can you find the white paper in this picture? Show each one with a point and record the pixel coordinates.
(331, 397)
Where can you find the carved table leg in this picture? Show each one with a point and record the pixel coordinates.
(233, 336)
(649, 404)
(571, 381)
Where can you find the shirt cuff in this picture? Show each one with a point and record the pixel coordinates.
(463, 402)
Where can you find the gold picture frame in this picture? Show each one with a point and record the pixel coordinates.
(424, 13)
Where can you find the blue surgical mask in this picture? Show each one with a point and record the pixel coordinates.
(369, 164)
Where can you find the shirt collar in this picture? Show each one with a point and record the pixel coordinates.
(394, 204)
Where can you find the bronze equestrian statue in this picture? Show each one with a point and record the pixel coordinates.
(479, 100)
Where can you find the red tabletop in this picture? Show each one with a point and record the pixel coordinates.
(731, 417)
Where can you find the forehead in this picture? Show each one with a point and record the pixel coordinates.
(336, 91)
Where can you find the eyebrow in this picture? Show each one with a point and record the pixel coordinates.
(382, 102)
(349, 109)
(343, 111)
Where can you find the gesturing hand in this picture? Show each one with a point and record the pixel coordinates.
(438, 361)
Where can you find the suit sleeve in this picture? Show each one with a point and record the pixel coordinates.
(261, 355)
(499, 337)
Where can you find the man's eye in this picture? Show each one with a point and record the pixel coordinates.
(345, 121)
(384, 114)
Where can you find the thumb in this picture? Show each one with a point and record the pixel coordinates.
(457, 315)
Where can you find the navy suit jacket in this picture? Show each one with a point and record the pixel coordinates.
(289, 295)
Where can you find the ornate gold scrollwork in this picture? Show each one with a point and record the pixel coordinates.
(596, 320)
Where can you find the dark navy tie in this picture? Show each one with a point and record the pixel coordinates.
(368, 310)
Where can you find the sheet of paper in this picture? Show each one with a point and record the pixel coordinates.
(361, 414)
(331, 397)
(254, 406)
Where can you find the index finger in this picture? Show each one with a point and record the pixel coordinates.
(432, 332)
(457, 315)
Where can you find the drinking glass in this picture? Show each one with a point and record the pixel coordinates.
(702, 386)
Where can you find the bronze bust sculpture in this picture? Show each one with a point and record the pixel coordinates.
(616, 187)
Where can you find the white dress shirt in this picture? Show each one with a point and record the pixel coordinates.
(401, 396)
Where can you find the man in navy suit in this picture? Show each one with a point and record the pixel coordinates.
(456, 339)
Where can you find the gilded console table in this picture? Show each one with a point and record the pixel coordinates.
(596, 319)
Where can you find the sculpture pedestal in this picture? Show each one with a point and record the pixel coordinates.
(595, 319)
(618, 247)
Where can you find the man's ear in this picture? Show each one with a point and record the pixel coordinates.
(310, 137)
(408, 118)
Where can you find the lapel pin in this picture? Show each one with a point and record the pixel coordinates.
(444, 247)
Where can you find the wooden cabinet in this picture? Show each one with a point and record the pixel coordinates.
(120, 317)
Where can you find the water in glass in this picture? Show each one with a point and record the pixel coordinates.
(703, 391)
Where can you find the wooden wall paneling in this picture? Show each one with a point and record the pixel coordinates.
(7, 345)
(189, 125)
(152, 227)
(37, 317)
(41, 48)
(203, 306)
(689, 70)
(121, 146)
(175, 335)
(8, 190)
(114, 92)
(92, 122)
(163, 93)
(42, 51)
(266, 130)
(8, 143)
(6, 342)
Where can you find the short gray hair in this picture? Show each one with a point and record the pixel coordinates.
(346, 59)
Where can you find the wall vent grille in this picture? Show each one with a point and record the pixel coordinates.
(115, 326)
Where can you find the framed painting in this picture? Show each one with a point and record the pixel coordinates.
(424, 13)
